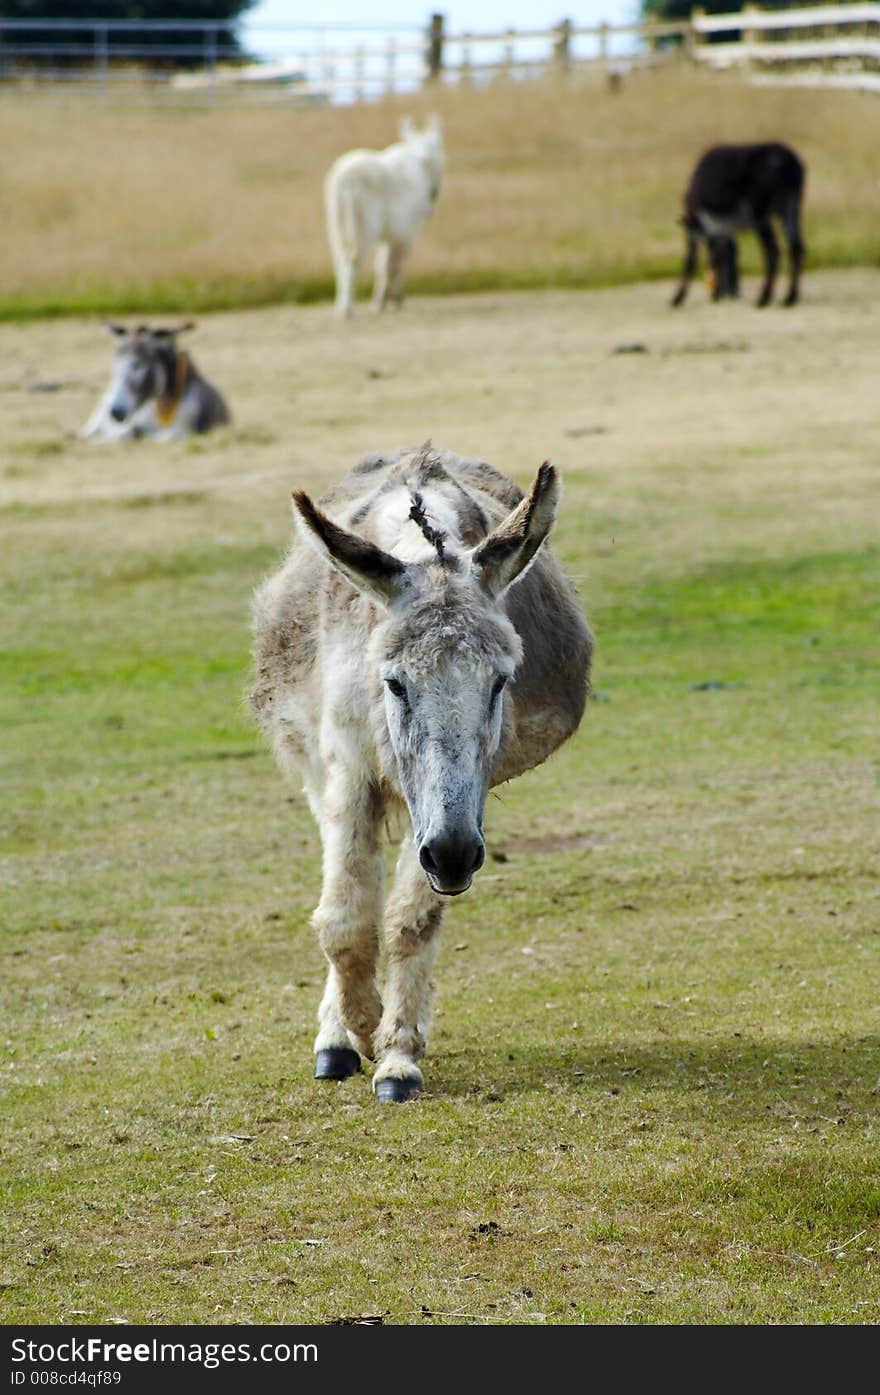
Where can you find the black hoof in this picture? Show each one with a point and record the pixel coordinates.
(336, 1063)
(391, 1091)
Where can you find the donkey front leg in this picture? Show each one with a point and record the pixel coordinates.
(347, 921)
(687, 271)
(771, 261)
(413, 919)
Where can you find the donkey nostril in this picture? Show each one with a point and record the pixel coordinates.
(453, 859)
(117, 413)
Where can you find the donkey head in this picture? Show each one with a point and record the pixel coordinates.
(427, 142)
(441, 652)
(144, 367)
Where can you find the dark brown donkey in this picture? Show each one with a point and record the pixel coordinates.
(735, 188)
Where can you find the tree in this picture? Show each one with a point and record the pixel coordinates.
(681, 9)
(50, 46)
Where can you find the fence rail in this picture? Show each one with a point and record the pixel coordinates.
(207, 61)
(840, 35)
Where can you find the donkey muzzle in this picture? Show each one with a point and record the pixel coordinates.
(451, 858)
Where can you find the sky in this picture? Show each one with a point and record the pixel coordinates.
(474, 16)
(477, 16)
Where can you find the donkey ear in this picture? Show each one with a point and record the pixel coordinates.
(119, 330)
(406, 127)
(377, 573)
(169, 331)
(502, 558)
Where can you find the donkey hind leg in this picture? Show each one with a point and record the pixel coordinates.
(733, 269)
(687, 271)
(770, 247)
(413, 917)
(381, 269)
(347, 920)
(396, 262)
(791, 224)
(346, 282)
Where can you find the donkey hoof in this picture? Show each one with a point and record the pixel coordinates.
(392, 1091)
(336, 1063)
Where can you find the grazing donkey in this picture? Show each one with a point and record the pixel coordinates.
(431, 649)
(737, 187)
(379, 199)
(155, 390)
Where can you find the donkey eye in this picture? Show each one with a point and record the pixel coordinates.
(497, 689)
(396, 688)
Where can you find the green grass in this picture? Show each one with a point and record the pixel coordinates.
(652, 1088)
(165, 297)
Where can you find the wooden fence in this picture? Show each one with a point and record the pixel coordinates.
(830, 35)
(325, 62)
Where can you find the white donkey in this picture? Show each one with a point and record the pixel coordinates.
(431, 649)
(379, 199)
(155, 390)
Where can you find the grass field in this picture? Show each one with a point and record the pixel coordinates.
(652, 1088)
(559, 183)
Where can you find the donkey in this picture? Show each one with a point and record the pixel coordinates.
(433, 648)
(155, 390)
(379, 199)
(738, 187)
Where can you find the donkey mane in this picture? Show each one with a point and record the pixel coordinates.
(433, 535)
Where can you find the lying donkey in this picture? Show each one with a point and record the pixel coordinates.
(738, 187)
(156, 390)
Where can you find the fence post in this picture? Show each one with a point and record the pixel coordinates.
(328, 74)
(749, 36)
(436, 37)
(603, 46)
(101, 59)
(464, 68)
(508, 58)
(211, 65)
(692, 38)
(562, 45)
(359, 61)
(390, 61)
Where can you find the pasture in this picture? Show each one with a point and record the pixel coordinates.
(560, 184)
(652, 1086)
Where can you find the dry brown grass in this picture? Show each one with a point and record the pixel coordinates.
(548, 183)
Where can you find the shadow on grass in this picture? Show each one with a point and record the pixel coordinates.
(822, 1079)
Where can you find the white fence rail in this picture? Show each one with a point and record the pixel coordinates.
(842, 35)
